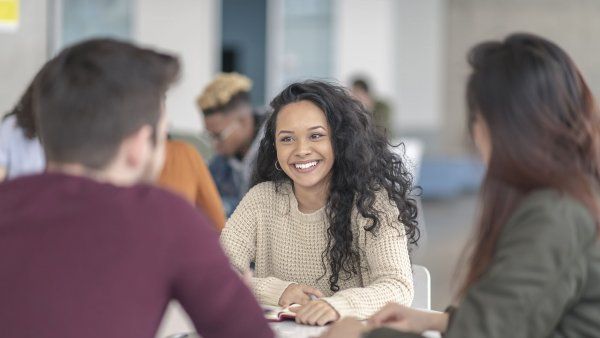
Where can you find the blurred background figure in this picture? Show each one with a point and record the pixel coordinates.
(235, 130)
(380, 110)
(20, 150)
(186, 173)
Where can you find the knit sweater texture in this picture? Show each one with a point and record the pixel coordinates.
(286, 245)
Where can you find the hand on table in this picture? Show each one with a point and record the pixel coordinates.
(316, 312)
(298, 294)
(406, 319)
(346, 328)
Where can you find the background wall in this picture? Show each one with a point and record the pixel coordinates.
(22, 53)
(419, 47)
(363, 44)
(189, 28)
(243, 30)
(398, 46)
(412, 51)
(573, 24)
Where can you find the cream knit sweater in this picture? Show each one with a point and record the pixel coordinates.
(286, 246)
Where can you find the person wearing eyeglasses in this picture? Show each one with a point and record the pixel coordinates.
(233, 126)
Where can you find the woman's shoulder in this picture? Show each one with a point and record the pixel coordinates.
(263, 199)
(557, 212)
(387, 213)
(553, 202)
(383, 202)
(268, 191)
(262, 189)
(182, 150)
(8, 123)
(12, 136)
(384, 206)
(180, 145)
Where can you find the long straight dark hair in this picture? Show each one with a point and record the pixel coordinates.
(544, 129)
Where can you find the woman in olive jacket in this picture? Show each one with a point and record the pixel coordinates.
(534, 269)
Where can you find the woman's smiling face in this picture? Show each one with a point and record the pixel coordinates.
(303, 145)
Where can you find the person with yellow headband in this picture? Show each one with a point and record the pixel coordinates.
(234, 128)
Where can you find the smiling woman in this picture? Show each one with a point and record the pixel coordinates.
(329, 216)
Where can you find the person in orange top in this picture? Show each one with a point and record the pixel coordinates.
(186, 174)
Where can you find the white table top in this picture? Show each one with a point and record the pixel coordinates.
(291, 329)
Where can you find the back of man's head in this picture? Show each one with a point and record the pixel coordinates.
(95, 94)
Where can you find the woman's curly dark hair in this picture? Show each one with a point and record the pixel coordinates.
(363, 165)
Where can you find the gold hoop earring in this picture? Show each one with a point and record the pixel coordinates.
(277, 167)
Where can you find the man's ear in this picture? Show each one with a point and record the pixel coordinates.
(136, 147)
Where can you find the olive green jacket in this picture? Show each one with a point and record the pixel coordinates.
(544, 280)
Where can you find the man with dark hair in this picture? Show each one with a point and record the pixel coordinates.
(87, 249)
(236, 131)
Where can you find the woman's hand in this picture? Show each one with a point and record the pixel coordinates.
(406, 319)
(346, 328)
(316, 312)
(298, 294)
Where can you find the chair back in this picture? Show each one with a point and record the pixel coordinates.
(422, 286)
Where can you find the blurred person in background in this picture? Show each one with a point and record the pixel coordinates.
(186, 174)
(534, 268)
(380, 110)
(234, 127)
(20, 150)
(89, 248)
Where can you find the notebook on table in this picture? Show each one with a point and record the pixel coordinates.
(278, 314)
